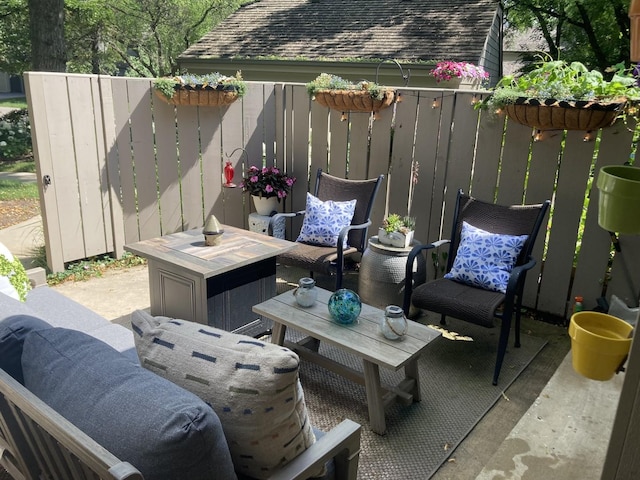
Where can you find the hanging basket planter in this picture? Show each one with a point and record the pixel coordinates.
(202, 96)
(210, 90)
(354, 100)
(564, 115)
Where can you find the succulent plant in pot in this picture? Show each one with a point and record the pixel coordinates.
(213, 89)
(565, 96)
(397, 231)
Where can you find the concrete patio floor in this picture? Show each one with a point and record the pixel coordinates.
(563, 434)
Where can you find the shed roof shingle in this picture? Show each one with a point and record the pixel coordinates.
(339, 29)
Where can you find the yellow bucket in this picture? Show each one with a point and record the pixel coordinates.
(600, 344)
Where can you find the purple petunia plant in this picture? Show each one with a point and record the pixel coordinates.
(448, 69)
(267, 182)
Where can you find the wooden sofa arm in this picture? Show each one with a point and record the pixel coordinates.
(341, 443)
(37, 276)
(40, 443)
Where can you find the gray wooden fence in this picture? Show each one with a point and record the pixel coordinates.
(121, 165)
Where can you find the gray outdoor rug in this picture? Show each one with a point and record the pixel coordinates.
(456, 394)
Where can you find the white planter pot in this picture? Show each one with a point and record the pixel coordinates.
(395, 239)
(264, 205)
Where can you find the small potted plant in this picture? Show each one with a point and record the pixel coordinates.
(267, 186)
(339, 94)
(397, 231)
(213, 89)
(557, 95)
(459, 72)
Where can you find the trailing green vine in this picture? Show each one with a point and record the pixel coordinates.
(17, 275)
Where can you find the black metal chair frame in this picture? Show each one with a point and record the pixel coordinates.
(357, 232)
(511, 300)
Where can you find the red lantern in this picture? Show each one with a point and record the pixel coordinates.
(228, 175)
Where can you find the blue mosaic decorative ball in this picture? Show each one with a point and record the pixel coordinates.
(344, 306)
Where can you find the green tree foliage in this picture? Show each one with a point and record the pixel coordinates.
(15, 47)
(594, 32)
(134, 37)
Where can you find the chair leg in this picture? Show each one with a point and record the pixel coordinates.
(502, 345)
(443, 319)
(517, 325)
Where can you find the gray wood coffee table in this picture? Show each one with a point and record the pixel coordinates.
(362, 339)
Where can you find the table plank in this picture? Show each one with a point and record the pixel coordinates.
(187, 250)
(362, 338)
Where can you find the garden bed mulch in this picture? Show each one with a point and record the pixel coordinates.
(13, 212)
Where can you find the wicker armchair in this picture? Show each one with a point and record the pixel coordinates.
(470, 303)
(330, 260)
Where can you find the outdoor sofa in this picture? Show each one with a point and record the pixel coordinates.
(36, 441)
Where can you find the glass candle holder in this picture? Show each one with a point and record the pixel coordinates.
(344, 306)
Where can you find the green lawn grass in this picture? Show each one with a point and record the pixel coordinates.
(17, 166)
(12, 190)
(17, 102)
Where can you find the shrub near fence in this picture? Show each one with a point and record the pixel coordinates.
(125, 166)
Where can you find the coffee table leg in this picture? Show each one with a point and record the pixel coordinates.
(277, 334)
(374, 397)
(411, 371)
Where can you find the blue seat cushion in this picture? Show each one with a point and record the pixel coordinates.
(163, 430)
(13, 331)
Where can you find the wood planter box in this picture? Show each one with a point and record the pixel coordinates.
(560, 115)
(354, 100)
(199, 95)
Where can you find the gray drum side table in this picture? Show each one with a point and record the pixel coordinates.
(382, 273)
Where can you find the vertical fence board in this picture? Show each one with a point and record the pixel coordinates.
(232, 138)
(164, 117)
(513, 164)
(426, 149)
(125, 159)
(299, 159)
(64, 173)
(358, 146)
(379, 162)
(190, 167)
(486, 166)
(87, 163)
(569, 198)
(319, 142)
(144, 157)
(541, 187)
(339, 147)
(111, 175)
(100, 159)
(213, 162)
(42, 150)
(402, 155)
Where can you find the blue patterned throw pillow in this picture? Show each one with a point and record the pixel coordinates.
(485, 259)
(324, 220)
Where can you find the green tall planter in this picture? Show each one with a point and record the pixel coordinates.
(619, 203)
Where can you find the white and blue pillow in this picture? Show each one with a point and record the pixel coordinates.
(323, 221)
(484, 259)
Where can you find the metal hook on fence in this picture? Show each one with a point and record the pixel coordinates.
(404, 77)
(244, 151)
(229, 171)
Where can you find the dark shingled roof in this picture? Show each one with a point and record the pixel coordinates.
(338, 29)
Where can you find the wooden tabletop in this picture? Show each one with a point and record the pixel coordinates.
(362, 338)
(237, 248)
